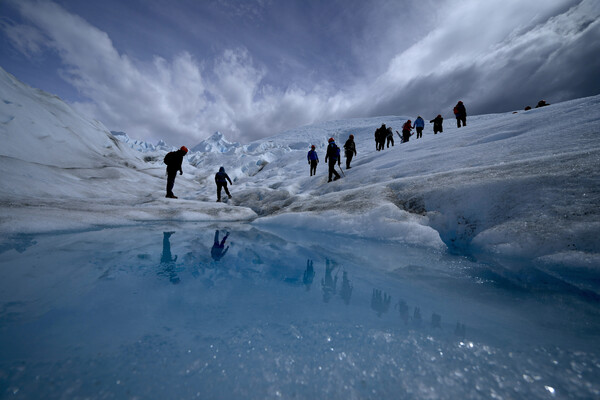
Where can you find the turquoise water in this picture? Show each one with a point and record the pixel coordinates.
(161, 312)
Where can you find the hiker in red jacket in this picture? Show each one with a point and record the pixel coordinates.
(406, 128)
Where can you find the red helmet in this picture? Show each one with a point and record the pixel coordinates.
(330, 139)
(351, 136)
(312, 147)
(185, 149)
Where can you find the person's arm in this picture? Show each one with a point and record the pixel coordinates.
(227, 176)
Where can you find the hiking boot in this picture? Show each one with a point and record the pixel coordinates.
(229, 196)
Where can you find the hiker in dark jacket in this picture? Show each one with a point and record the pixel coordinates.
(460, 112)
(173, 160)
(380, 137)
(333, 155)
(389, 135)
(313, 160)
(349, 150)
(221, 179)
(437, 124)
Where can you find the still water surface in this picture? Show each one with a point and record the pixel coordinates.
(227, 312)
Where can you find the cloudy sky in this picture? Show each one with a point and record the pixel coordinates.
(180, 70)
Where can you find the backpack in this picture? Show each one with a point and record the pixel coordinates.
(335, 151)
(169, 157)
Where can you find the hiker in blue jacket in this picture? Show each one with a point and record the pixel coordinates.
(333, 155)
(419, 125)
(221, 179)
(313, 160)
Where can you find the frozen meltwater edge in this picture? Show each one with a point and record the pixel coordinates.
(160, 312)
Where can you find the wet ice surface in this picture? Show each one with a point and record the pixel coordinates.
(160, 312)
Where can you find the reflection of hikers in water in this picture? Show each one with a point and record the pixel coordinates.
(309, 275)
(346, 290)
(329, 283)
(217, 250)
(417, 317)
(167, 261)
(460, 330)
(380, 303)
(402, 307)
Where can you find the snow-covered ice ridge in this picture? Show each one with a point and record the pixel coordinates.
(522, 184)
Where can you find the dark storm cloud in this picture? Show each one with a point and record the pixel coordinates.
(253, 69)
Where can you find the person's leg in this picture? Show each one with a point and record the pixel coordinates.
(219, 186)
(464, 121)
(337, 176)
(226, 190)
(170, 183)
(331, 171)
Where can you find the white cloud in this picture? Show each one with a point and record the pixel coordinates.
(27, 39)
(477, 52)
(172, 99)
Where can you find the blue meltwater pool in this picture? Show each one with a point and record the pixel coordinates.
(236, 312)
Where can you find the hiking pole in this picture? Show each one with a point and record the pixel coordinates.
(341, 170)
(400, 136)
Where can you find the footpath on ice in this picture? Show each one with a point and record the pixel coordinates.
(523, 185)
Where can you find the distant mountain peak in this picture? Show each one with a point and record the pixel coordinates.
(216, 143)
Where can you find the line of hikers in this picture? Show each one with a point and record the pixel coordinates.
(332, 157)
(174, 159)
(383, 135)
